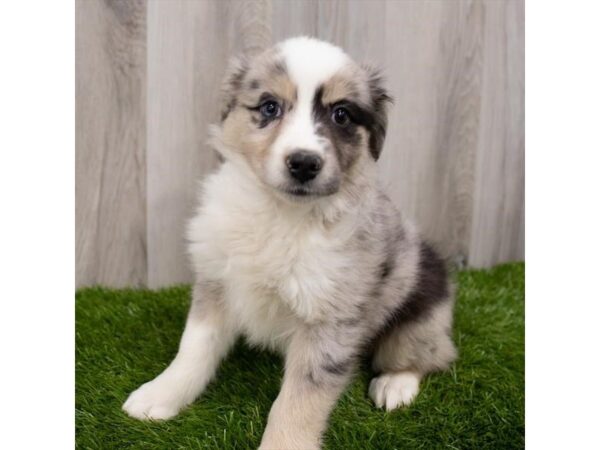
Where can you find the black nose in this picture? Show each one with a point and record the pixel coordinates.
(304, 165)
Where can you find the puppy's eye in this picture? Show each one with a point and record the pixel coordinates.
(270, 109)
(340, 116)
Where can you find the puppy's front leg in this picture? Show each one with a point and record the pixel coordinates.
(316, 372)
(206, 339)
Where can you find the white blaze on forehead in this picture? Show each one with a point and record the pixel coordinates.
(310, 62)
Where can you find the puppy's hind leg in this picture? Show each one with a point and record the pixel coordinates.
(206, 339)
(407, 353)
(416, 339)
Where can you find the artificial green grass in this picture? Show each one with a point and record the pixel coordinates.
(126, 337)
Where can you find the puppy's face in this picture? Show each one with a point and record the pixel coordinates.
(301, 115)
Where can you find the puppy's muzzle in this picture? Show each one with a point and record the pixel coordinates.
(304, 165)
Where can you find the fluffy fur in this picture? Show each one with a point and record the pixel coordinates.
(321, 267)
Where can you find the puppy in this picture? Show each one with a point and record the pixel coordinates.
(296, 247)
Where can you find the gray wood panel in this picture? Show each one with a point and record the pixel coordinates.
(110, 171)
(354, 25)
(294, 18)
(498, 221)
(434, 72)
(453, 160)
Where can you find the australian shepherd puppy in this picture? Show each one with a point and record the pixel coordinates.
(296, 247)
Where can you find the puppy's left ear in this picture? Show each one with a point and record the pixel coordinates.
(379, 103)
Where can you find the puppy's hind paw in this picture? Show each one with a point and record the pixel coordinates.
(391, 390)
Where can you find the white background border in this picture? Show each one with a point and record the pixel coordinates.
(37, 219)
(562, 224)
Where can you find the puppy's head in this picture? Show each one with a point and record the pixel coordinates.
(301, 115)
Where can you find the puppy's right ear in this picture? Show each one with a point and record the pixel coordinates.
(232, 83)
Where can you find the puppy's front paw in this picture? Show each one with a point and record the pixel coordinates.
(156, 400)
(392, 390)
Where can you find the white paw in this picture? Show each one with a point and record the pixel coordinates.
(392, 390)
(156, 400)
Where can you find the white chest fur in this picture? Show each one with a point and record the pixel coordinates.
(277, 263)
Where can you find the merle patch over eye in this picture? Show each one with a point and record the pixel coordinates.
(340, 116)
(270, 109)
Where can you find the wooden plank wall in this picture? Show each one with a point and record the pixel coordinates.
(148, 75)
(110, 141)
